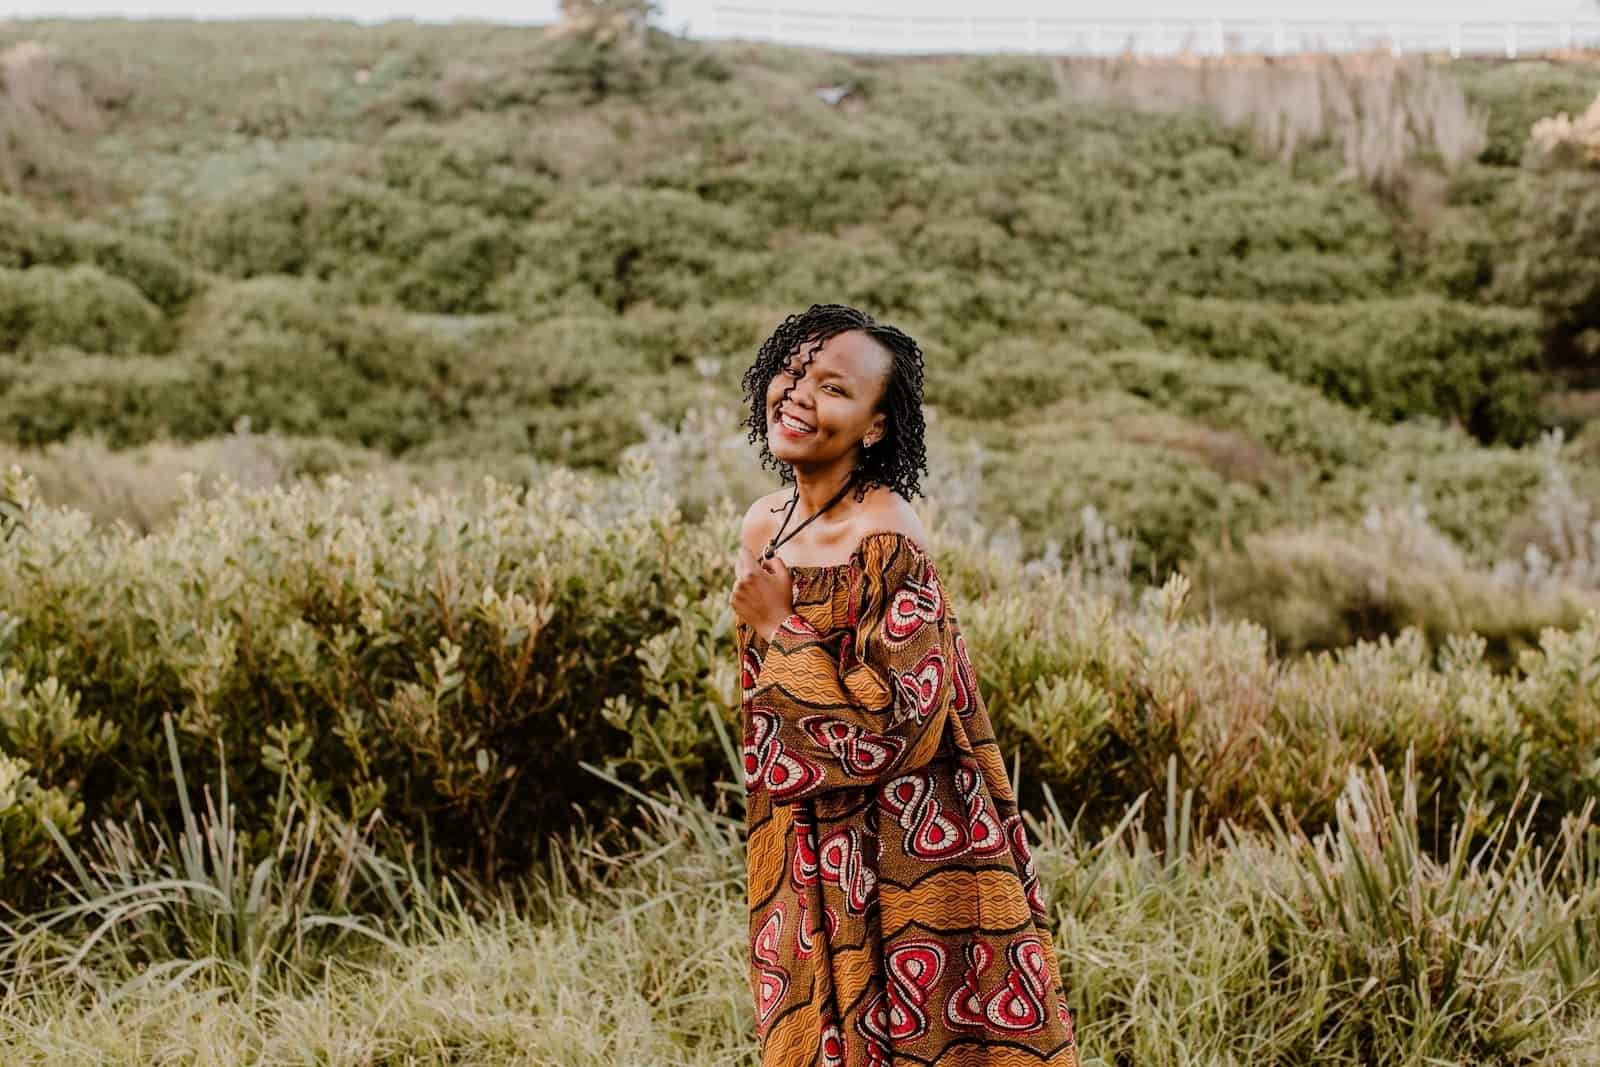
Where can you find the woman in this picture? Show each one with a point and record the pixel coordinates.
(895, 915)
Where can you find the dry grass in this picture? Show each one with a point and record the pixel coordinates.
(1233, 455)
(1379, 111)
(1351, 946)
(1580, 135)
(143, 486)
(44, 99)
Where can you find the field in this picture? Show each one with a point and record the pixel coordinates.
(370, 402)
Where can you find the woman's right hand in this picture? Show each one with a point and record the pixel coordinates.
(763, 595)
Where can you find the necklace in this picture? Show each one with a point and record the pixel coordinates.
(775, 543)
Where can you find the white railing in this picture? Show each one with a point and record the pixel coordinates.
(856, 32)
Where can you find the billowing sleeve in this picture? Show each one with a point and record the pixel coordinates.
(849, 709)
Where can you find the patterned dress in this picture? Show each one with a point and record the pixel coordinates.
(895, 914)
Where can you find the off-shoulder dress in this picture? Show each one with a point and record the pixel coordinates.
(895, 913)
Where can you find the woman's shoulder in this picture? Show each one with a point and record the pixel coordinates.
(761, 521)
(889, 517)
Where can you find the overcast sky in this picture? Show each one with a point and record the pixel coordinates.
(679, 13)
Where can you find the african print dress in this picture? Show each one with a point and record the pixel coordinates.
(895, 914)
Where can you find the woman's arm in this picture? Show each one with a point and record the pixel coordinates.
(848, 710)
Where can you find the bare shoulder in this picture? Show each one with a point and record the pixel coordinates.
(760, 521)
(885, 509)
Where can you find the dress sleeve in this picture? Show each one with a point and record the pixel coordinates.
(849, 709)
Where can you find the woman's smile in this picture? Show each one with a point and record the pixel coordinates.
(794, 426)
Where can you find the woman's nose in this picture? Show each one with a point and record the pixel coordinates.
(800, 395)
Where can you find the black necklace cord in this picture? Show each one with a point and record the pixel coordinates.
(775, 543)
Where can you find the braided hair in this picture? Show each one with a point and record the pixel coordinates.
(895, 459)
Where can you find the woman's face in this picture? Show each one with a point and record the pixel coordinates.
(832, 406)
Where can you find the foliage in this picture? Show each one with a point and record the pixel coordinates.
(1518, 95)
(1377, 111)
(1557, 252)
(32, 239)
(82, 307)
(1396, 359)
(448, 659)
(1363, 942)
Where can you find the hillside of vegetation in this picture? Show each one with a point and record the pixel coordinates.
(372, 401)
(497, 250)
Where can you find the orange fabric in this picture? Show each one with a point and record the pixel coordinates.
(895, 914)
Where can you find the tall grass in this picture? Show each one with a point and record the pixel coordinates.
(1354, 946)
(150, 907)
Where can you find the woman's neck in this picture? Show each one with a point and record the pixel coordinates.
(817, 488)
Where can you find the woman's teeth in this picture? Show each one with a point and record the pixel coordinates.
(796, 426)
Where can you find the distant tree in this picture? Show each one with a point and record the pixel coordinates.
(607, 22)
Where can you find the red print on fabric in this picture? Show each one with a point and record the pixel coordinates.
(769, 765)
(774, 980)
(862, 753)
(831, 1043)
(803, 870)
(964, 1008)
(988, 839)
(963, 690)
(931, 834)
(842, 862)
(915, 968)
(913, 605)
(1017, 1005)
(921, 684)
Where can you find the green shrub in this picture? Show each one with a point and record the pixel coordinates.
(1165, 495)
(461, 700)
(81, 306)
(1267, 238)
(127, 399)
(295, 360)
(47, 740)
(623, 246)
(1556, 267)
(1328, 586)
(29, 239)
(1394, 359)
(257, 229)
(1517, 95)
(379, 244)
(1293, 420)
(475, 162)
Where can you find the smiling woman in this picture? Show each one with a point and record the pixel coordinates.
(895, 913)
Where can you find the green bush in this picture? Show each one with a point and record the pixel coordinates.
(81, 306)
(296, 360)
(1516, 95)
(1266, 238)
(475, 162)
(461, 699)
(1556, 266)
(30, 239)
(1292, 419)
(1394, 359)
(127, 399)
(1166, 496)
(380, 245)
(622, 246)
(47, 740)
(257, 229)
(1328, 586)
